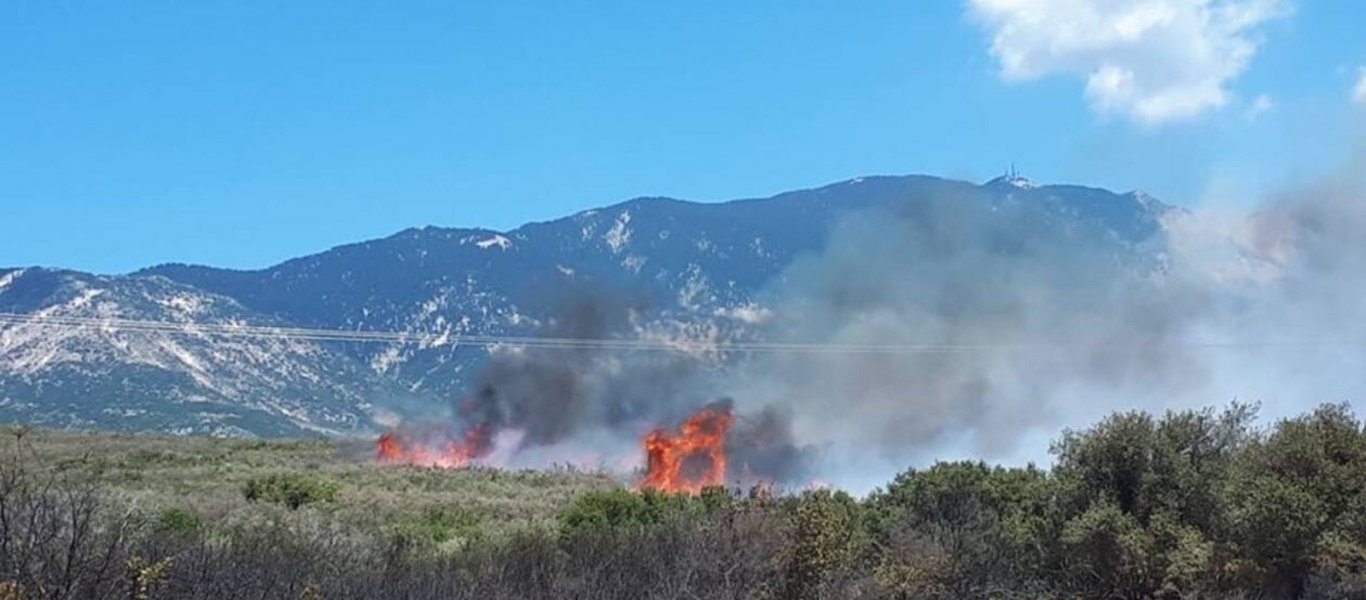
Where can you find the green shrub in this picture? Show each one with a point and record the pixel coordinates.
(1145, 465)
(290, 489)
(1191, 504)
(626, 509)
(963, 495)
(716, 498)
(1183, 558)
(178, 520)
(1340, 571)
(961, 528)
(438, 525)
(605, 509)
(1107, 553)
(824, 524)
(661, 506)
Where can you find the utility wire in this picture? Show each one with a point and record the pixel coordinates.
(242, 330)
(339, 335)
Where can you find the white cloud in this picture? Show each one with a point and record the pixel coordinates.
(1153, 61)
(1359, 93)
(1259, 105)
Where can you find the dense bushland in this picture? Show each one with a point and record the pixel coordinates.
(1189, 504)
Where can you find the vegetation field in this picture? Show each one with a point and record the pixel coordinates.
(335, 481)
(1191, 504)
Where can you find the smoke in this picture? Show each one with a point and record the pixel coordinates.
(1024, 316)
(764, 449)
(553, 396)
(1031, 321)
(1027, 318)
(1292, 277)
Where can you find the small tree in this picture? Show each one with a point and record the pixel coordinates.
(824, 544)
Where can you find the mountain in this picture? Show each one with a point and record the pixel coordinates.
(692, 270)
(190, 383)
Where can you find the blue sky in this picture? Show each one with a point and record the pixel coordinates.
(243, 133)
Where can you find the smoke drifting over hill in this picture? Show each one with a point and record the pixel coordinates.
(1031, 324)
(1290, 276)
(1024, 318)
(1063, 325)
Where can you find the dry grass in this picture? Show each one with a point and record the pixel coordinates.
(206, 477)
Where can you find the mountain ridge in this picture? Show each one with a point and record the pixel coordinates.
(700, 268)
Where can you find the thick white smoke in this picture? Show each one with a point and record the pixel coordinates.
(1291, 277)
(1032, 325)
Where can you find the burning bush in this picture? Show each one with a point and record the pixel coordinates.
(692, 459)
(435, 449)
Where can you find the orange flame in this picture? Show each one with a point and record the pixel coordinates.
(691, 460)
(401, 448)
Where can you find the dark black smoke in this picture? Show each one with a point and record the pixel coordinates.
(589, 399)
(762, 449)
(551, 395)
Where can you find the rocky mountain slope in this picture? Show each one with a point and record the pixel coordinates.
(690, 270)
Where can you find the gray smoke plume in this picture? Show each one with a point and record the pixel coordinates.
(763, 448)
(1291, 276)
(1026, 320)
(1031, 323)
(1022, 313)
(554, 395)
(593, 407)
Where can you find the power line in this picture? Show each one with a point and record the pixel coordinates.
(242, 330)
(340, 335)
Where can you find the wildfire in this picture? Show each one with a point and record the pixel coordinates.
(682, 461)
(691, 460)
(414, 449)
